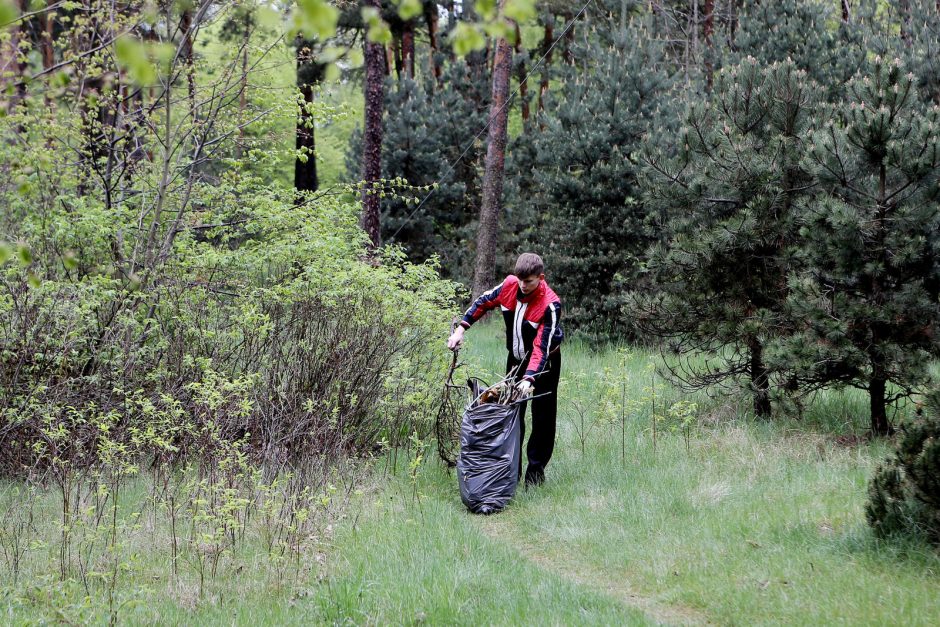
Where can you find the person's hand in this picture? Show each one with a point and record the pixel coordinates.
(455, 339)
(525, 388)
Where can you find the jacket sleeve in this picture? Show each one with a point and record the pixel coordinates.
(548, 336)
(486, 301)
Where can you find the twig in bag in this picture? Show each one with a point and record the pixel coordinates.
(504, 391)
(447, 423)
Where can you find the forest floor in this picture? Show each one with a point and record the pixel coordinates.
(736, 521)
(721, 520)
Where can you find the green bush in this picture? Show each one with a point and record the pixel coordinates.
(904, 493)
(273, 330)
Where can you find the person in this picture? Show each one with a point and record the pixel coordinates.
(532, 313)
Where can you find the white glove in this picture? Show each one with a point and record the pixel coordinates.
(456, 338)
(525, 388)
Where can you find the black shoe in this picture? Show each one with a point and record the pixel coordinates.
(534, 478)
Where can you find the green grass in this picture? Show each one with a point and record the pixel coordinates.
(750, 522)
(408, 563)
(743, 522)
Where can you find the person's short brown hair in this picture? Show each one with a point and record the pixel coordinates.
(529, 264)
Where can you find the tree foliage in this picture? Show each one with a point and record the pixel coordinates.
(574, 193)
(904, 492)
(870, 280)
(425, 134)
(731, 196)
(811, 35)
(164, 284)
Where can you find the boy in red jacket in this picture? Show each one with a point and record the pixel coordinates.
(532, 312)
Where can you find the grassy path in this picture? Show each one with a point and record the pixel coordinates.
(435, 564)
(737, 522)
(752, 524)
(551, 558)
(740, 523)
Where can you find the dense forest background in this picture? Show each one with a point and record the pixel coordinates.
(751, 186)
(753, 181)
(234, 233)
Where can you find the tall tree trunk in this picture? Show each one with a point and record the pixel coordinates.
(408, 49)
(48, 52)
(243, 92)
(430, 17)
(476, 59)
(846, 13)
(693, 26)
(760, 380)
(372, 138)
(566, 54)
(523, 83)
(10, 62)
(877, 386)
(708, 28)
(89, 96)
(547, 39)
(186, 32)
(309, 74)
(396, 51)
(732, 22)
(150, 36)
(904, 6)
(879, 375)
(487, 236)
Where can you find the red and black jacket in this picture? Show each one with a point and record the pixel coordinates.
(532, 322)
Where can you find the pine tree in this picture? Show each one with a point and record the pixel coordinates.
(573, 191)
(904, 492)
(810, 34)
(869, 288)
(309, 74)
(920, 45)
(372, 135)
(430, 127)
(730, 197)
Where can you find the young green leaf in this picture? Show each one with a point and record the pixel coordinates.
(486, 9)
(466, 38)
(25, 255)
(520, 10)
(131, 55)
(332, 73)
(501, 29)
(69, 260)
(162, 53)
(332, 54)
(60, 79)
(408, 9)
(379, 32)
(356, 58)
(8, 12)
(315, 18)
(267, 17)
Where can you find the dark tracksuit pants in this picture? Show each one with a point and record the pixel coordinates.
(544, 411)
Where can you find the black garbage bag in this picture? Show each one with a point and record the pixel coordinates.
(488, 464)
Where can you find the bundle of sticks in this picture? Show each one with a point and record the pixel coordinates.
(503, 392)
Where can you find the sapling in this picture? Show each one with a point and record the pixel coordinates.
(16, 527)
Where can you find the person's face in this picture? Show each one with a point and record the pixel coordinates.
(529, 283)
